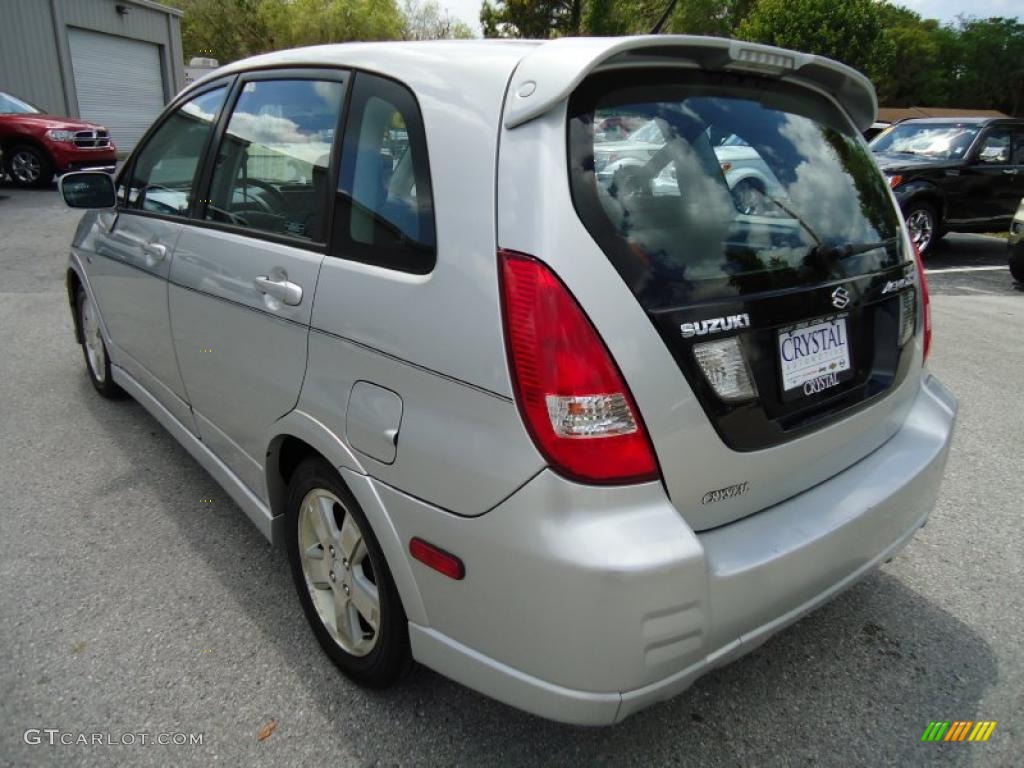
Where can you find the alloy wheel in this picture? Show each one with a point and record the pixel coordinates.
(25, 167)
(921, 229)
(94, 349)
(338, 572)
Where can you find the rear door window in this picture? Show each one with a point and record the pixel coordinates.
(995, 147)
(725, 187)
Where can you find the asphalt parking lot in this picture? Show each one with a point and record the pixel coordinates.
(132, 603)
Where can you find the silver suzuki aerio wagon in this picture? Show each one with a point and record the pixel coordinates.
(569, 428)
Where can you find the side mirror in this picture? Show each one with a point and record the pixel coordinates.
(88, 189)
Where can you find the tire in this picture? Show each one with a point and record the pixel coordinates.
(338, 568)
(924, 226)
(748, 195)
(1017, 263)
(97, 360)
(29, 166)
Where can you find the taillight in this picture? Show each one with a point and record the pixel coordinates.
(895, 180)
(572, 398)
(926, 310)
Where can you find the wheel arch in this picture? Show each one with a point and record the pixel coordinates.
(298, 436)
(752, 176)
(927, 194)
(8, 144)
(294, 437)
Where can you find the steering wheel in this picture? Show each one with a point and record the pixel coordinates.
(270, 189)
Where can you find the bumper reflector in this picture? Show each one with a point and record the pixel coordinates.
(726, 369)
(436, 558)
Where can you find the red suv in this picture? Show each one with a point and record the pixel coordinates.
(35, 145)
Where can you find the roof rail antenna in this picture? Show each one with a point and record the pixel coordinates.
(656, 29)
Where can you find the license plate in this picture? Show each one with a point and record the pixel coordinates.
(814, 356)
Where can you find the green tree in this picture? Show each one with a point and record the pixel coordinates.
(537, 19)
(556, 18)
(849, 31)
(913, 60)
(990, 71)
(706, 17)
(424, 20)
(309, 22)
(223, 29)
(232, 29)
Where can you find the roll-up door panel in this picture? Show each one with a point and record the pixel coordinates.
(119, 82)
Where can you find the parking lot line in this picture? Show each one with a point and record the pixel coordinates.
(963, 269)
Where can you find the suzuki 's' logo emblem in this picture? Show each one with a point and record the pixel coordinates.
(840, 298)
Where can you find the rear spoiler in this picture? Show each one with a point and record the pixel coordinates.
(552, 71)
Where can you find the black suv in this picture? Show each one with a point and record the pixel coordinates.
(954, 174)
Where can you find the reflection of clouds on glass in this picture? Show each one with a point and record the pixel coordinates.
(205, 106)
(329, 92)
(823, 193)
(266, 129)
(654, 214)
(192, 108)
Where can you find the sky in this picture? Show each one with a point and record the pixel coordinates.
(944, 10)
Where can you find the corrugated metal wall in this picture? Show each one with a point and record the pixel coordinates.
(35, 61)
(29, 67)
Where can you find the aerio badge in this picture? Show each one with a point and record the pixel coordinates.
(840, 298)
(729, 492)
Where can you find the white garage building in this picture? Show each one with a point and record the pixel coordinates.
(115, 62)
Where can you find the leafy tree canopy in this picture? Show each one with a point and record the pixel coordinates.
(233, 29)
(972, 63)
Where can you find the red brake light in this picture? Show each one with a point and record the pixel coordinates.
(895, 180)
(571, 395)
(926, 310)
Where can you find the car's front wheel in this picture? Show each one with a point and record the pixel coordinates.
(923, 225)
(29, 166)
(97, 361)
(343, 581)
(1017, 262)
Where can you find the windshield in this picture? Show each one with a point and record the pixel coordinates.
(802, 203)
(648, 133)
(943, 141)
(9, 105)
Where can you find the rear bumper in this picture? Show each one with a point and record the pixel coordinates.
(586, 605)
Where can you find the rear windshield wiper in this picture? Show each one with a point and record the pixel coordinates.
(845, 251)
(829, 252)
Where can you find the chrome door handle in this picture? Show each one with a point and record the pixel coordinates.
(284, 291)
(1010, 171)
(157, 250)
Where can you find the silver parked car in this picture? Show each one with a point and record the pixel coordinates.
(562, 439)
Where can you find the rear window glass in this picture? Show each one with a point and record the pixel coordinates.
(710, 187)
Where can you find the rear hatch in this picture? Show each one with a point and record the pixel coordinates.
(777, 276)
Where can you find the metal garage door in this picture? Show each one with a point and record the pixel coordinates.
(119, 83)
